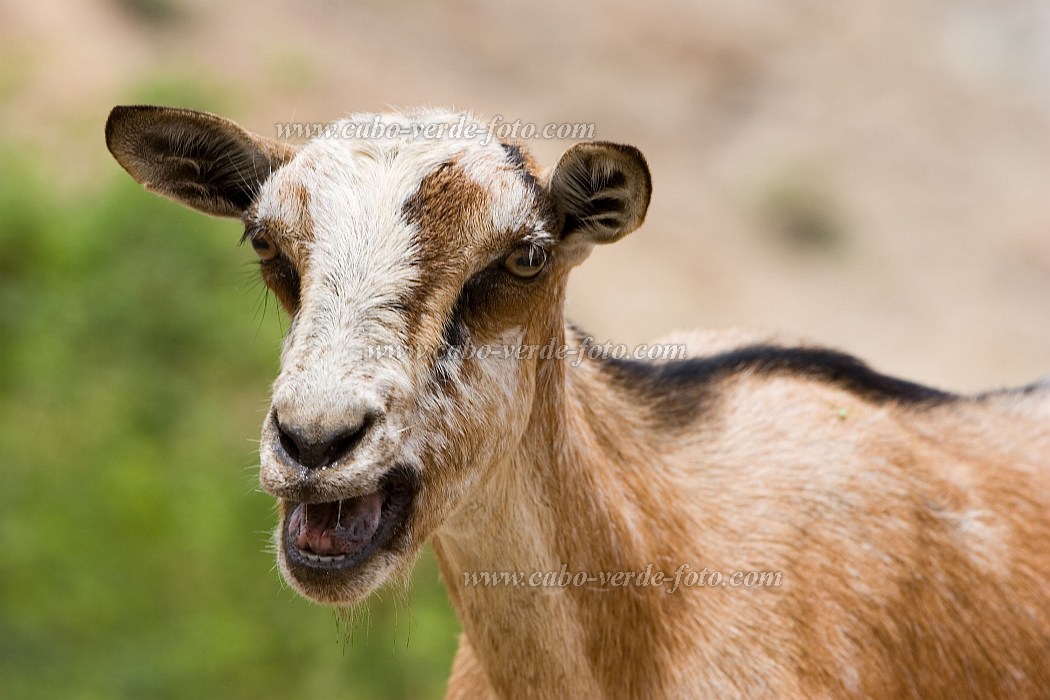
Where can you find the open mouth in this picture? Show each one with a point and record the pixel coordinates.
(343, 534)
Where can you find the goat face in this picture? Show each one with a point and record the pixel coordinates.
(424, 277)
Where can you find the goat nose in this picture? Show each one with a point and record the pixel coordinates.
(317, 453)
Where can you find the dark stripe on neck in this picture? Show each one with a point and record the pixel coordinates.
(677, 390)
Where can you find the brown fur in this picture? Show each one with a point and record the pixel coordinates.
(888, 591)
(445, 207)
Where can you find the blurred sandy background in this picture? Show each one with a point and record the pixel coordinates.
(873, 175)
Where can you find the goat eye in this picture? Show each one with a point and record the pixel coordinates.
(264, 247)
(525, 261)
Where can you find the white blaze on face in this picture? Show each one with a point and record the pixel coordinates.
(358, 261)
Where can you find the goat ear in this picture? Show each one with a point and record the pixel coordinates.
(601, 191)
(195, 158)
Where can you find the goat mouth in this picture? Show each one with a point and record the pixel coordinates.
(340, 535)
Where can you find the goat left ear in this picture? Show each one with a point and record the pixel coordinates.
(195, 158)
(601, 191)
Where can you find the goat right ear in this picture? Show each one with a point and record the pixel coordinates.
(601, 191)
(195, 158)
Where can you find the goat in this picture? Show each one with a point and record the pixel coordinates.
(908, 528)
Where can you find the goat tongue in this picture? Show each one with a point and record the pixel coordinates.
(337, 528)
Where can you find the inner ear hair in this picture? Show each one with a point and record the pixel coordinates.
(601, 190)
(198, 159)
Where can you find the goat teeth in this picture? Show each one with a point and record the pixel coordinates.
(310, 556)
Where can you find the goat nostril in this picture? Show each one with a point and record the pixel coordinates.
(346, 441)
(289, 441)
(326, 451)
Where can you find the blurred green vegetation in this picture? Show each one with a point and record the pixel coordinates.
(136, 351)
